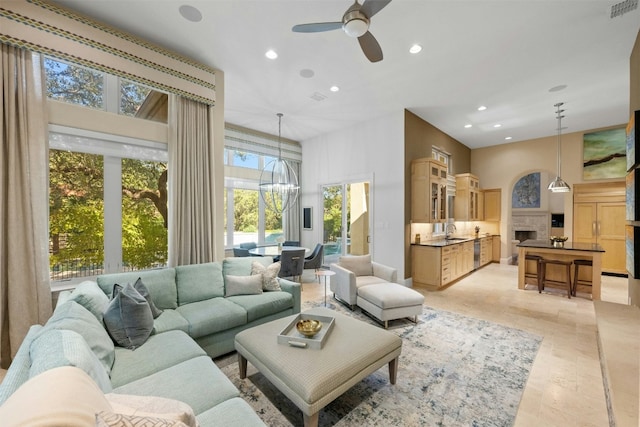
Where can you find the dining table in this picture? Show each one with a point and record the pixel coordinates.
(274, 250)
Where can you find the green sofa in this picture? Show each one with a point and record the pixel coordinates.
(197, 323)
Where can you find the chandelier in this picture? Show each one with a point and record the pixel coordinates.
(278, 181)
(558, 185)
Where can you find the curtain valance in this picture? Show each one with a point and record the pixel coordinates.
(51, 30)
(243, 139)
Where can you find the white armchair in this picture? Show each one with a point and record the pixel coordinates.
(353, 272)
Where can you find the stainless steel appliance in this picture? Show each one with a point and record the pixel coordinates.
(476, 254)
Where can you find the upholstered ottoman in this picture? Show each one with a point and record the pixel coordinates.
(388, 301)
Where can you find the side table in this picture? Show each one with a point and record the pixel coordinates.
(324, 274)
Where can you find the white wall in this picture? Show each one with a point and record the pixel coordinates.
(373, 151)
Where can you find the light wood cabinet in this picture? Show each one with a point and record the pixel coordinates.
(437, 266)
(428, 191)
(486, 250)
(496, 249)
(468, 203)
(599, 217)
(492, 204)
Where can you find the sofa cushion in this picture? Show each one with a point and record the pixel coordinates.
(128, 317)
(243, 285)
(152, 406)
(211, 316)
(18, 372)
(360, 265)
(368, 280)
(55, 348)
(161, 284)
(258, 306)
(74, 317)
(197, 382)
(89, 295)
(234, 412)
(199, 282)
(144, 291)
(64, 396)
(269, 275)
(159, 352)
(242, 266)
(170, 320)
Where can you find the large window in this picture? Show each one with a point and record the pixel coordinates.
(108, 194)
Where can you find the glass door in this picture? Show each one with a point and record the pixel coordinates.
(346, 219)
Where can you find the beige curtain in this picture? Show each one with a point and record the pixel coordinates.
(192, 231)
(25, 295)
(291, 226)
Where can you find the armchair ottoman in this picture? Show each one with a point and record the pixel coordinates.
(389, 301)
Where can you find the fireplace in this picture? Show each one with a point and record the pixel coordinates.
(530, 225)
(522, 235)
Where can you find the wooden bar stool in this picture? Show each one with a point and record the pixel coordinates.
(544, 280)
(538, 273)
(576, 281)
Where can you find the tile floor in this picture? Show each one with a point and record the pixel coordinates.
(565, 384)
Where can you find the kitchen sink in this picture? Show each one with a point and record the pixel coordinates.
(457, 238)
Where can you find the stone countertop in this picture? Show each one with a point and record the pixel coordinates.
(571, 246)
(451, 241)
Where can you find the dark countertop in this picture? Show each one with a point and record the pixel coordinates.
(449, 242)
(571, 246)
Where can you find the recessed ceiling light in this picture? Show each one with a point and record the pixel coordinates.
(190, 13)
(497, 125)
(558, 88)
(271, 54)
(416, 48)
(482, 108)
(334, 89)
(508, 138)
(467, 126)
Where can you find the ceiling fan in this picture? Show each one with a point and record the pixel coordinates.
(355, 22)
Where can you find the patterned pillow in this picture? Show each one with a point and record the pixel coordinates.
(128, 317)
(242, 285)
(110, 419)
(269, 275)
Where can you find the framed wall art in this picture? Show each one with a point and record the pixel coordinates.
(604, 154)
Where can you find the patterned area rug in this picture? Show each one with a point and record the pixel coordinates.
(454, 370)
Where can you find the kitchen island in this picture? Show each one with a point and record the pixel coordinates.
(569, 251)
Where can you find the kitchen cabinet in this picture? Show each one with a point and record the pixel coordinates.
(599, 217)
(486, 250)
(468, 203)
(428, 191)
(496, 249)
(437, 266)
(491, 204)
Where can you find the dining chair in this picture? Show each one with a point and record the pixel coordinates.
(240, 252)
(291, 243)
(315, 259)
(291, 263)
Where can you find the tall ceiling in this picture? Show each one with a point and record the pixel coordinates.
(505, 55)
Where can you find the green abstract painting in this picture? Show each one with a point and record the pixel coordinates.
(604, 154)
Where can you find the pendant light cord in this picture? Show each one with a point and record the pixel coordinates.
(559, 116)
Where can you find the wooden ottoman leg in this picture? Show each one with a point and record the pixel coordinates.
(393, 370)
(242, 365)
(311, 420)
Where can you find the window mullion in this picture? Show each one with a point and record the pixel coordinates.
(112, 214)
(112, 93)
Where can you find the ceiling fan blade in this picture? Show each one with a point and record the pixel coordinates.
(371, 7)
(370, 47)
(317, 27)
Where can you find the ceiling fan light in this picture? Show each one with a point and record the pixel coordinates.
(355, 24)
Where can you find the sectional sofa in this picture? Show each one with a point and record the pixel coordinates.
(200, 309)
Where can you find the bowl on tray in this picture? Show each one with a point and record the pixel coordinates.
(309, 327)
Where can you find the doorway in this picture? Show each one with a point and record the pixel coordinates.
(346, 220)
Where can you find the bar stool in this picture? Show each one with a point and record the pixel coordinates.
(538, 273)
(544, 280)
(576, 281)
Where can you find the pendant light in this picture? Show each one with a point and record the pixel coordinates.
(558, 185)
(278, 181)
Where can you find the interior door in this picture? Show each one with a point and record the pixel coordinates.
(346, 220)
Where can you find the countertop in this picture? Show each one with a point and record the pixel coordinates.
(449, 242)
(571, 246)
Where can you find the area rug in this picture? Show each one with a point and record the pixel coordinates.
(454, 370)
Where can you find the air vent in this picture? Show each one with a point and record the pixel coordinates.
(623, 7)
(317, 96)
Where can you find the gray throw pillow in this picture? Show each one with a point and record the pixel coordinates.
(128, 317)
(142, 289)
(243, 285)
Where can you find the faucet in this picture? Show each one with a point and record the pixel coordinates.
(449, 229)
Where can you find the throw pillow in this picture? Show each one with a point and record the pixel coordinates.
(152, 406)
(360, 265)
(142, 289)
(128, 317)
(269, 275)
(110, 419)
(243, 285)
(64, 396)
(89, 295)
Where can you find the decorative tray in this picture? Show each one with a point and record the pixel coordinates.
(290, 335)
